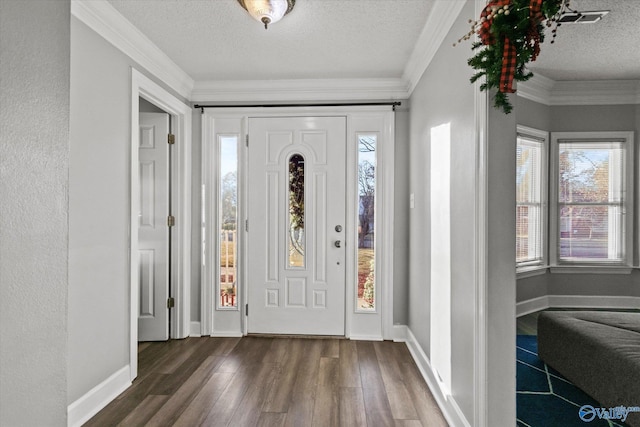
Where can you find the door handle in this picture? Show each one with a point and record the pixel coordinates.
(337, 243)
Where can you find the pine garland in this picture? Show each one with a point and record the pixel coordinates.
(514, 25)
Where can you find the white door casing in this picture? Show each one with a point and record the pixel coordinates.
(224, 122)
(153, 232)
(143, 87)
(297, 299)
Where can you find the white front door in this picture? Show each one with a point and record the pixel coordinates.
(153, 234)
(296, 237)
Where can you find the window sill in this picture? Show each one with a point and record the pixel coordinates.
(591, 269)
(531, 271)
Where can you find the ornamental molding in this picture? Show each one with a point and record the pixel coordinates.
(588, 92)
(299, 90)
(439, 22)
(105, 20)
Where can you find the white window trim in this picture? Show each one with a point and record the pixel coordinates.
(529, 269)
(605, 267)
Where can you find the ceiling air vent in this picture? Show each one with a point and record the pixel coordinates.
(582, 17)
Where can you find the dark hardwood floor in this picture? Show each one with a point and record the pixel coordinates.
(260, 381)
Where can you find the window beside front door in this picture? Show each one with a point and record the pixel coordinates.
(366, 221)
(227, 288)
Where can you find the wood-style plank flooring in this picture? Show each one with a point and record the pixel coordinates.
(260, 381)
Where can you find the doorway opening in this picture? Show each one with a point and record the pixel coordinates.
(293, 255)
(160, 245)
(154, 225)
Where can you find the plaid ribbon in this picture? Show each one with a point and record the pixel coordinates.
(485, 29)
(509, 53)
(508, 67)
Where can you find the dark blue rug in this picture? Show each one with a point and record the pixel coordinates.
(544, 397)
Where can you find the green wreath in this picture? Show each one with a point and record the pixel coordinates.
(510, 35)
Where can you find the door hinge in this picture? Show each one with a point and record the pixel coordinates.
(246, 225)
(246, 309)
(171, 220)
(171, 302)
(246, 140)
(171, 139)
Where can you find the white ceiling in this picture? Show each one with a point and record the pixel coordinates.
(326, 39)
(605, 50)
(359, 39)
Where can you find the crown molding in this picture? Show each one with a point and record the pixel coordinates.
(588, 92)
(105, 20)
(440, 20)
(538, 88)
(599, 92)
(299, 90)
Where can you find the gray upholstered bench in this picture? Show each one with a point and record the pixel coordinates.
(597, 351)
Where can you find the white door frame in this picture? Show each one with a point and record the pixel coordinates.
(375, 325)
(142, 86)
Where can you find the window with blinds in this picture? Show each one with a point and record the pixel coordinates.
(591, 201)
(531, 182)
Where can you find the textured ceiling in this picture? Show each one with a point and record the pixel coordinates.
(608, 49)
(217, 39)
(335, 39)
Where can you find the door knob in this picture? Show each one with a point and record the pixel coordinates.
(337, 243)
(338, 228)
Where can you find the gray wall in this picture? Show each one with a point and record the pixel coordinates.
(401, 218)
(501, 275)
(34, 167)
(444, 95)
(532, 114)
(583, 118)
(99, 210)
(147, 107)
(196, 215)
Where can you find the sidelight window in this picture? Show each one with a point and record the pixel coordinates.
(366, 221)
(228, 220)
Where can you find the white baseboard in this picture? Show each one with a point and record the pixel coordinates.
(532, 305)
(227, 334)
(98, 397)
(576, 301)
(448, 405)
(196, 330)
(365, 337)
(593, 301)
(400, 333)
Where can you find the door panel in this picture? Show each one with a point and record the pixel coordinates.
(153, 232)
(296, 274)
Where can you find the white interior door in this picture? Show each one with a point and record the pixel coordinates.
(296, 213)
(153, 234)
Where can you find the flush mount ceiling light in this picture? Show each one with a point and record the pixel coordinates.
(267, 11)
